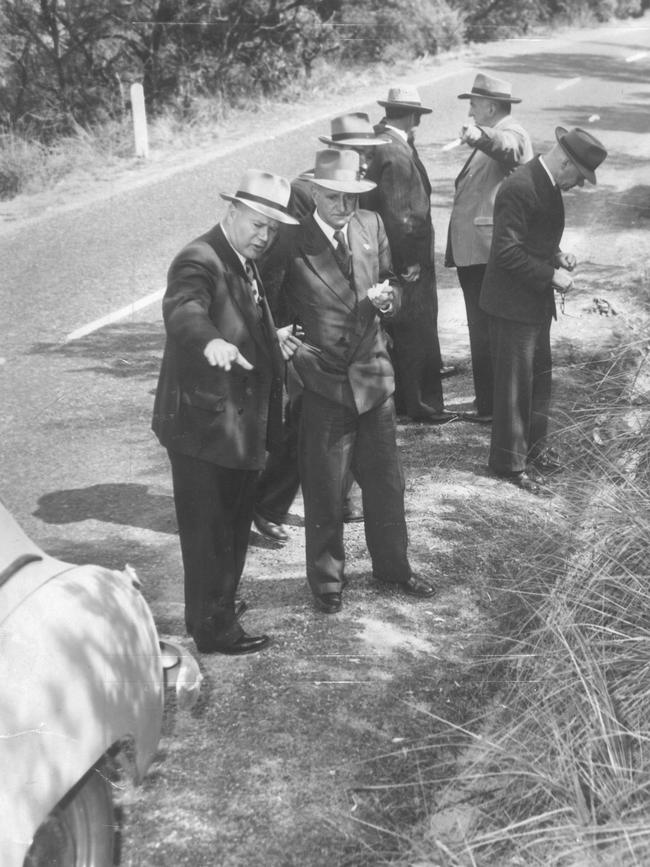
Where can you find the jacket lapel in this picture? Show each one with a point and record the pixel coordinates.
(240, 289)
(319, 256)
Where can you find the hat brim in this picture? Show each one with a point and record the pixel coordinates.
(514, 99)
(354, 142)
(587, 174)
(356, 187)
(265, 210)
(418, 109)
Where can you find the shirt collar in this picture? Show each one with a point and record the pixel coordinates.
(546, 169)
(328, 230)
(400, 132)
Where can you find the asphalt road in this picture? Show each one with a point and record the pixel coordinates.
(80, 469)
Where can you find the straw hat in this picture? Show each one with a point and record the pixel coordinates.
(404, 97)
(265, 193)
(339, 170)
(353, 130)
(490, 88)
(583, 149)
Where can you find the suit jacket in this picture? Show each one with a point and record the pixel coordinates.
(344, 357)
(403, 200)
(224, 417)
(528, 227)
(501, 149)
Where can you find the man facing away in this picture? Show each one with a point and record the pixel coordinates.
(499, 145)
(526, 265)
(218, 402)
(403, 200)
(339, 284)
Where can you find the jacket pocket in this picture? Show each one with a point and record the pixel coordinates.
(204, 400)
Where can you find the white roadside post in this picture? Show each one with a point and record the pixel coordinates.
(139, 121)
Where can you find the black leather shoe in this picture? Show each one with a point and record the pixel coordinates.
(436, 417)
(416, 586)
(329, 603)
(477, 417)
(413, 586)
(241, 607)
(448, 370)
(274, 532)
(244, 644)
(530, 481)
(352, 514)
(548, 461)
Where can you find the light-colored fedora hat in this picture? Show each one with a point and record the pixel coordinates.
(353, 130)
(404, 97)
(583, 149)
(265, 193)
(490, 88)
(339, 170)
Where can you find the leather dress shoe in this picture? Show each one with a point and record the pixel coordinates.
(328, 603)
(413, 586)
(352, 514)
(274, 532)
(548, 461)
(477, 417)
(244, 644)
(436, 417)
(529, 480)
(241, 607)
(448, 370)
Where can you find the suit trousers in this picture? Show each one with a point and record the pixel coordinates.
(335, 440)
(521, 357)
(470, 278)
(278, 484)
(214, 510)
(415, 349)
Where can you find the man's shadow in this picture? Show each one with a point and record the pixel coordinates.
(126, 504)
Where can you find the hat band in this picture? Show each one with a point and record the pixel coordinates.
(490, 94)
(260, 200)
(337, 175)
(343, 136)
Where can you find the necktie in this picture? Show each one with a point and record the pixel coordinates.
(250, 276)
(342, 252)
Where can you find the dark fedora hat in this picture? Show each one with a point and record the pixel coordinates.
(583, 149)
(489, 87)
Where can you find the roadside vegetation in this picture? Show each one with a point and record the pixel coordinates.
(556, 771)
(66, 66)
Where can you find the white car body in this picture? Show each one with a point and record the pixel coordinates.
(81, 671)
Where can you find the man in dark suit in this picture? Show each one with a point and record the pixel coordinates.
(339, 282)
(218, 402)
(525, 266)
(498, 145)
(403, 200)
(280, 480)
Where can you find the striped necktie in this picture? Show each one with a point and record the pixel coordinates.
(342, 252)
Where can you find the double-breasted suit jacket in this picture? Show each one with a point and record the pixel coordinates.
(518, 296)
(223, 417)
(500, 150)
(344, 356)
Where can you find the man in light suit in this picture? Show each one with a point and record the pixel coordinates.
(499, 145)
(339, 284)
(526, 265)
(218, 402)
(403, 200)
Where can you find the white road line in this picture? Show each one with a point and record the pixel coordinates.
(638, 56)
(569, 83)
(122, 313)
